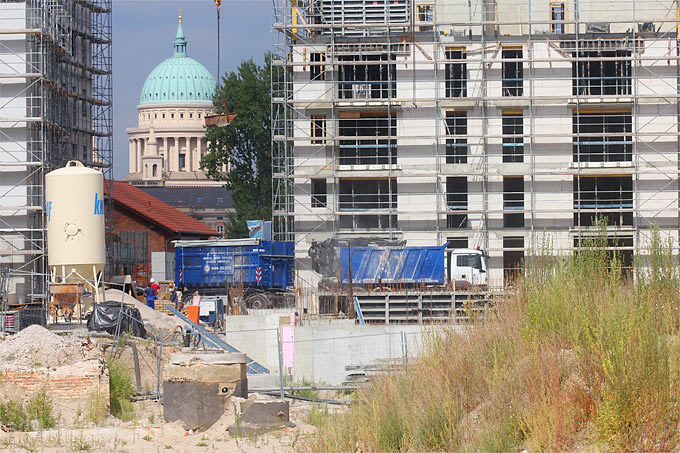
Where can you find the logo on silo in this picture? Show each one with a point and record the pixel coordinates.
(49, 210)
(98, 205)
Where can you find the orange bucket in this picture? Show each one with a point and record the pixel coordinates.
(193, 313)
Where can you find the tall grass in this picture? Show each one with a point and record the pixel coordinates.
(581, 354)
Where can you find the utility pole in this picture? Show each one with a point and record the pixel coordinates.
(218, 3)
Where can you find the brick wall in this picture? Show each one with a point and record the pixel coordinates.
(72, 382)
(160, 240)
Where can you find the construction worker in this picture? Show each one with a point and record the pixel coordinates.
(156, 287)
(150, 294)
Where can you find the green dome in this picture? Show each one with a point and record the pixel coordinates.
(179, 79)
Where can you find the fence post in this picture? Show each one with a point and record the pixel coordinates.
(404, 348)
(279, 345)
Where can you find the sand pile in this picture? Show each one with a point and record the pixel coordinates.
(37, 347)
(152, 318)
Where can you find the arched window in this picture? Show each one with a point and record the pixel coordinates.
(154, 170)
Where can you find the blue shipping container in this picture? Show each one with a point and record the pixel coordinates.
(241, 263)
(394, 265)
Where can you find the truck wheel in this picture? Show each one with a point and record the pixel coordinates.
(258, 301)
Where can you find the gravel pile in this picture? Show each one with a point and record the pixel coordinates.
(37, 347)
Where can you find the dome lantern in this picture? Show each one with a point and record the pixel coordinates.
(179, 79)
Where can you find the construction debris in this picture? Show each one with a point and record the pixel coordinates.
(36, 347)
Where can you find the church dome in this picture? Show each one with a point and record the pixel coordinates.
(179, 79)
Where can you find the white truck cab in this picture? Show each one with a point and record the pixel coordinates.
(467, 269)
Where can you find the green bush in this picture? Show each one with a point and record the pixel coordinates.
(120, 389)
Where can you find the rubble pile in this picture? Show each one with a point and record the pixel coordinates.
(36, 347)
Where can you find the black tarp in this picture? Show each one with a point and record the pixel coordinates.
(105, 317)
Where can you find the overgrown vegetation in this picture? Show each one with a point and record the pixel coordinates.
(120, 390)
(580, 355)
(96, 408)
(39, 411)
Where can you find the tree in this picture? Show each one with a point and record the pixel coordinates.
(246, 143)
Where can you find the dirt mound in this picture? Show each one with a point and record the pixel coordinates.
(152, 318)
(36, 347)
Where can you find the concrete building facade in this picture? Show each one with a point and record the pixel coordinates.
(502, 124)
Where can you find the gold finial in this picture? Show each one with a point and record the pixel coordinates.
(180, 15)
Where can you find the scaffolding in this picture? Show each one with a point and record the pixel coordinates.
(55, 106)
(491, 123)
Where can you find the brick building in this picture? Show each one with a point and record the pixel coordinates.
(144, 228)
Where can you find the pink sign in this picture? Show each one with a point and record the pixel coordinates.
(288, 334)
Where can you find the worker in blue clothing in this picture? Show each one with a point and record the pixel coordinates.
(150, 293)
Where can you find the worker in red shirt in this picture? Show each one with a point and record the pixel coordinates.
(156, 287)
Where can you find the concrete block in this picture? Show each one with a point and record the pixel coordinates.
(257, 416)
(197, 387)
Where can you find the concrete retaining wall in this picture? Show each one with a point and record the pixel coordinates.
(322, 349)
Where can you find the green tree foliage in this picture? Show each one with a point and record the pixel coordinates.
(246, 142)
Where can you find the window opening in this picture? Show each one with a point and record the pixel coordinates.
(154, 170)
(513, 72)
(513, 257)
(607, 197)
(456, 74)
(513, 140)
(457, 201)
(372, 142)
(318, 131)
(425, 14)
(513, 200)
(319, 193)
(557, 15)
(370, 77)
(599, 76)
(603, 137)
(182, 161)
(456, 148)
(367, 196)
(317, 68)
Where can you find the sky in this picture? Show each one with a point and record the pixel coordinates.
(143, 32)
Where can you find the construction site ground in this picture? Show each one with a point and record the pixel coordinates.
(42, 352)
(148, 433)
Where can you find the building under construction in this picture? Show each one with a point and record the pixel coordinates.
(55, 106)
(502, 124)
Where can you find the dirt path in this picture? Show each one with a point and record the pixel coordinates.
(148, 435)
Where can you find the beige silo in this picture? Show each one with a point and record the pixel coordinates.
(74, 208)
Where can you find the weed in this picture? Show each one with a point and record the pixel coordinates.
(120, 389)
(147, 438)
(168, 447)
(96, 408)
(19, 417)
(201, 444)
(80, 444)
(318, 415)
(40, 408)
(308, 393)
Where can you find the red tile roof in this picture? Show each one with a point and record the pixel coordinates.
(156, 211)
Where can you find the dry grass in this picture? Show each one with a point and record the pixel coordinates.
(577, 356)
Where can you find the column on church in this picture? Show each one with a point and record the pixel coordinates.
(132, 160)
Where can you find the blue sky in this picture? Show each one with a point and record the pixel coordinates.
(143, 32)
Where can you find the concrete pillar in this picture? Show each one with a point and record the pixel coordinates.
(132, 160)
(140, 151)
